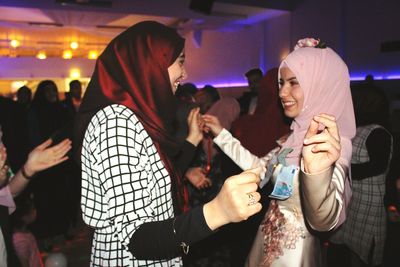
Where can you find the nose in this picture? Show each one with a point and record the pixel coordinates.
(184, 73)
(283, 91)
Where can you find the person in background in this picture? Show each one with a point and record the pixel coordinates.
(206, 97)
(186, 92)
(73, 99)
(40, 158)
(24, 241)
(364, 231)
(248, 101)
(47, 118)
(186, 102)
(310, 166)
(133, 194)
(24, 97)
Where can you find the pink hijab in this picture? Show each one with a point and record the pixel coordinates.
(325, 81)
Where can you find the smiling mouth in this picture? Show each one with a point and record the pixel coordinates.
(176, 84)
(288, 104)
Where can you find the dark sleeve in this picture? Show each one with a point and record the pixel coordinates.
(168, 239)
(378, 145)
(185, 156)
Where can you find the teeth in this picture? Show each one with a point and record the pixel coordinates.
(289, 103)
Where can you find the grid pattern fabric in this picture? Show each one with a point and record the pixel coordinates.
(124, 184)
(365, 227)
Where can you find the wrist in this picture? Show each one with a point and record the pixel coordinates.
(27, 172)
(214, 217)
(194, 139)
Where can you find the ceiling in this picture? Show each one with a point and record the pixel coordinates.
(53, 24)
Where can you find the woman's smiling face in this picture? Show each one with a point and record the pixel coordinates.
(290, 93)
(177, 71)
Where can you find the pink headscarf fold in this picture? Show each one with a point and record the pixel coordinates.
(325, 81)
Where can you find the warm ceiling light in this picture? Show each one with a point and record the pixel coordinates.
(41, 55)
(15, 43)
(67, 54)
(74, 45)
(93, 54)
(75, 73)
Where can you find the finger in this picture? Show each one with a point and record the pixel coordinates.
(191, 115)
(208, 182)
(256, 170)
(312, 129)
(327, 116)
(64, 143)
(253, 209)
(326, 147)
(252, 203)
(45, 144)
(244, 178)
(247, 188)
(324, 137)
(58, 161)
(63, 146)
(330, 123)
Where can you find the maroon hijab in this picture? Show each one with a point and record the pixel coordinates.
(133, 71)
(260, 131)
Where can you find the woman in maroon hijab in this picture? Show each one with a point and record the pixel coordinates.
(132, 192)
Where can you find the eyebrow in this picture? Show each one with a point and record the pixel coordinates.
(289, 79)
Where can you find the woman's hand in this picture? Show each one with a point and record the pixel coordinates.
(213, 124)
(196, 125)
(44, 157)
(321, 149)
(3, 166)
(198, 178)
(236, 201)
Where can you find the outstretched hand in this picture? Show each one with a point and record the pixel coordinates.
(43, 157)
(3, 166)
(321, 149)
(212, 124)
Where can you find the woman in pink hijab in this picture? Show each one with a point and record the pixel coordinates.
(310, 167)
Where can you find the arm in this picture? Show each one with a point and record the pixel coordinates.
(324, 178)
(189, 146)
(40, 158)
(323, 196)
(378, 144)
(232, 147)
(240, 155)
(170, 238)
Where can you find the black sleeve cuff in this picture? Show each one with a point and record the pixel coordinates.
(169, 239)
